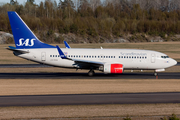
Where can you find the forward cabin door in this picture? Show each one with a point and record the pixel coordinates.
(43, 56)
(153, 58)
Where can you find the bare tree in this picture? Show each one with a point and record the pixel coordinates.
(94, 4)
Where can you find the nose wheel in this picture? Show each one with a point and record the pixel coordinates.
(91, 73)
(155, 74)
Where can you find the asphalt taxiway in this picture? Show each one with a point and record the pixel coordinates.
(75, 75)
(89, 99)
(61, 75)
(86, 99)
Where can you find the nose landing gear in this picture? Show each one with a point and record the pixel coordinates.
(156, 74)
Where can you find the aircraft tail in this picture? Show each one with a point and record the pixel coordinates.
(24, 38)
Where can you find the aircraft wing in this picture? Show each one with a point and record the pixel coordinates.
(78, 60)
(17, 50)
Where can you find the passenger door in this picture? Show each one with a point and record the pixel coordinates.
(153, 58)
(43, 56)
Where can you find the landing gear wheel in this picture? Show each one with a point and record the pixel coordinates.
(155, 74)
(91, 73)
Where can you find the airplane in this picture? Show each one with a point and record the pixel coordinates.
(109, 61)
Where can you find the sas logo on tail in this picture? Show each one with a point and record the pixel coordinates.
(26, 42)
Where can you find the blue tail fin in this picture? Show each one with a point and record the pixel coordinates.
(24, 38)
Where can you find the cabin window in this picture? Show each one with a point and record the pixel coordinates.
(137, 56)
(124, 56)
(92, 56)
(50, 55)
(142, 57)
(129, 56)
(89, 56)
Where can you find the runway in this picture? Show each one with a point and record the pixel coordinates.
(86, 99)
(90, 99)
(75, 75)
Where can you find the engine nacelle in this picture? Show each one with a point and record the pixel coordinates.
(113, 68)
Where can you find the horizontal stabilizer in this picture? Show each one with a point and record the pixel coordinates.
(17, 50)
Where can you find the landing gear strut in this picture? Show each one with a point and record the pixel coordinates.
(156, 74)
(91, 73)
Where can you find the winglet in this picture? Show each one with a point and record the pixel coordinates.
(61, 53)
(67, 45)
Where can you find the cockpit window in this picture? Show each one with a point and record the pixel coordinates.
(164, 57)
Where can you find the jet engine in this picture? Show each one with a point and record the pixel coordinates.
(113, 68)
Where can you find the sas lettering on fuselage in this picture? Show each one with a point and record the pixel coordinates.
(26, 42)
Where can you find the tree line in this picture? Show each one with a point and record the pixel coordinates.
(94, 18)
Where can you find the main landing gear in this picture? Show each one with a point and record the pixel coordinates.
(91, 72)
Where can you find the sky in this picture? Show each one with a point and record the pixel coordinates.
(23, 1)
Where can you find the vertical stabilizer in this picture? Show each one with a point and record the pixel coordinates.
(24, 38)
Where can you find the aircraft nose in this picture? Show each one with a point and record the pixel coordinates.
(173, 62)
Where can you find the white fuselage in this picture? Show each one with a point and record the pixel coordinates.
(130, 58)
